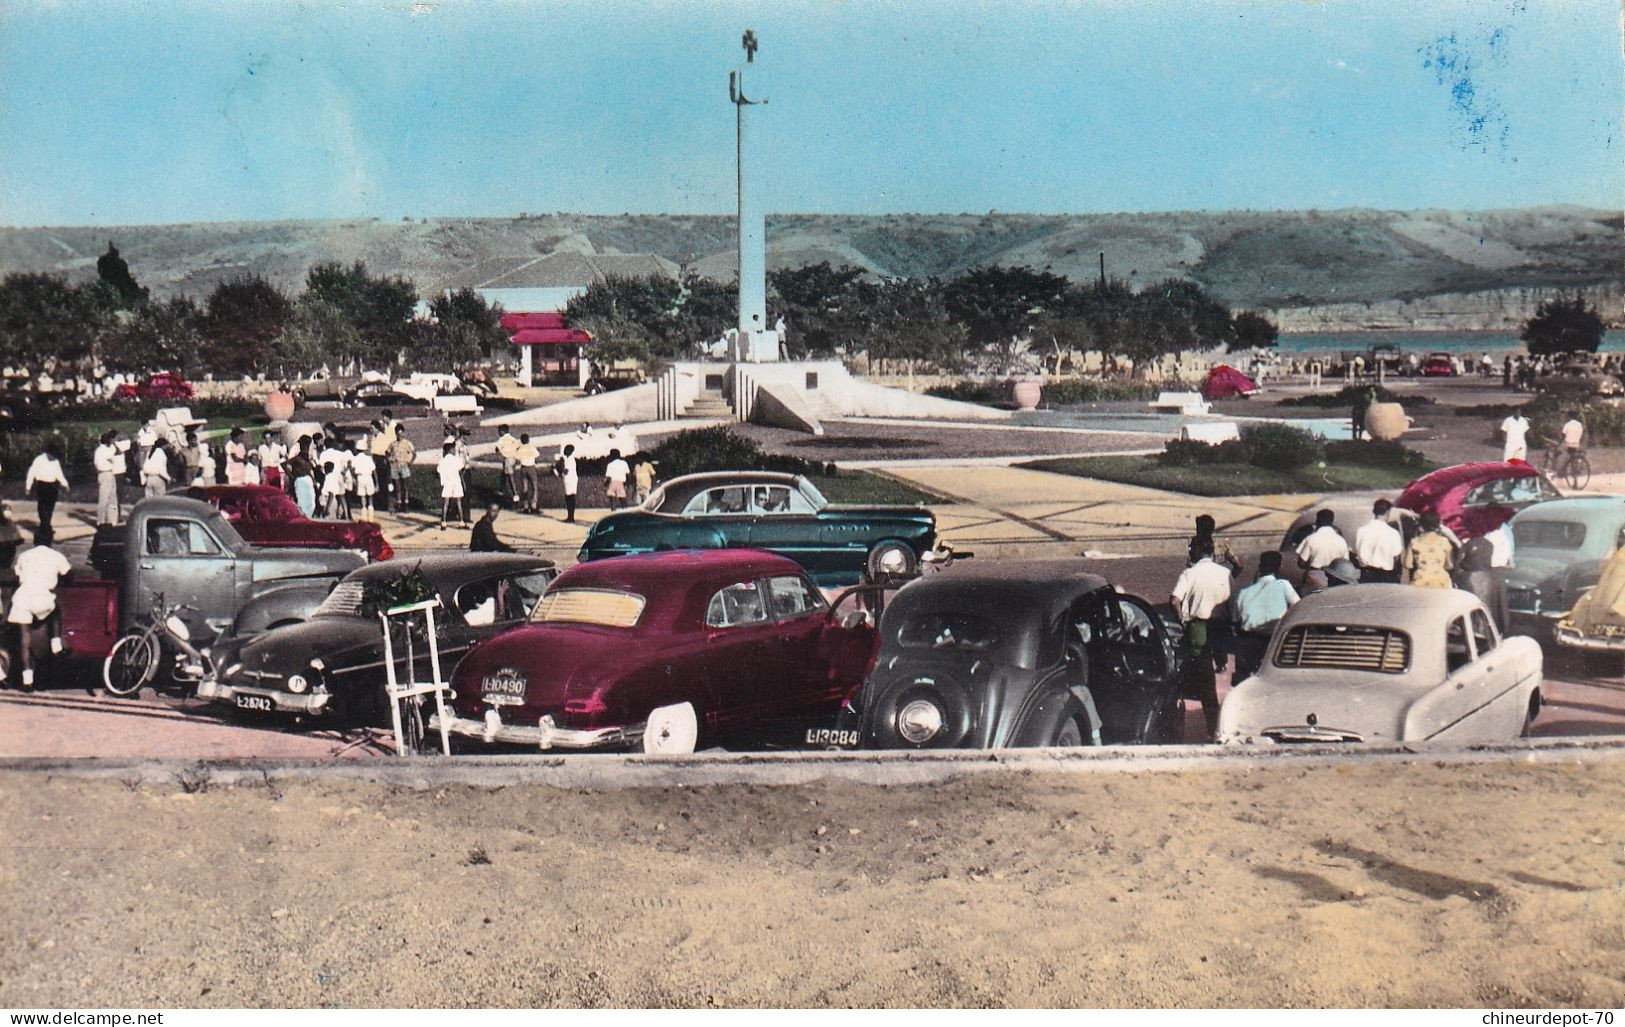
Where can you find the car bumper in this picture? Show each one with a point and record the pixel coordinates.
(542, 735)
(1597, 643)
(281, 702)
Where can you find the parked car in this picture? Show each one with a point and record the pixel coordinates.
(1580, 383)
(332, 664)
(785, 513)
(1387, 663)
(163, 385)
(380, 394)
(1020, 653)
(1350, 512)
(267, 517)
(1596, 624)
(1438, 365)
(665, 652)
(1474, 499)
(1558, 549)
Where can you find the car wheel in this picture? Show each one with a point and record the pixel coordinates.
(1069, 735)
(1528, 730)
(671, 730)
(890, 561)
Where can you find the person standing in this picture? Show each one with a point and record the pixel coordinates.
(1362, 406)
(1430, 557)
(236, 456)
(644, 476)
(33, 605)
(1378, 546)
(1259, 607)
(615, 475)
(401, 455)
(191, 456)
(47, 482)
(108, 461)
(1222, 553)
(1516, 430)
(567, 471)
(529, 457)
(145, 439)
(272, 457)
(155, 472)
(1320, 549)
(450, 472)
(366, 483)
(1202, 588)
(302, 469)
(332, 490)
(507, 448)
(378, 444)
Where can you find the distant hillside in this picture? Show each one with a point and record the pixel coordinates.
(1314, 270)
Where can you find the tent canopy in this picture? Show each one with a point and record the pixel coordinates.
(1225, 382)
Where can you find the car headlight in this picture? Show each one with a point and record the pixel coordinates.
(297, 684)
(919, 721)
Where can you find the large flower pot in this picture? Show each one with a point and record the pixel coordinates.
(1386, 422)
(1028, 394)
(279, 406)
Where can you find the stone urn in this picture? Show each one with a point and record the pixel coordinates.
(1027, 394)
(279, 406)
(1386, 422)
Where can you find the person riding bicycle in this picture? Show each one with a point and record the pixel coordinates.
(1573, 432)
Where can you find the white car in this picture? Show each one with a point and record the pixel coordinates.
(1387, 663)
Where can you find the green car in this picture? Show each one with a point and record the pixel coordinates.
(784, 513)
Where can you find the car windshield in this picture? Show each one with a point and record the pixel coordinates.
(603, 607)
(277, 507)
(365, 598)
(961, 631)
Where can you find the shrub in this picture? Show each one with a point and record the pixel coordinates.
(989, 393)
(1180, 453)
(1375, 454)
(1279, 446)
(19, 448)
(1346, 396)
(718, 449)
(1088, 390)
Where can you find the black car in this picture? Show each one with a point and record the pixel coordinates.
(380, 394)
(332, 665)
(1020, 653)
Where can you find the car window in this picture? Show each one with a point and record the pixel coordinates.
(1483, 633)
(601, 606)
(1545, 490)
(1456, 653)
(774, 499)
(730, 499)
(793, 596)
(1548, 534)
(477, 602)
(179, 538)
(1345, 647)
(517, 594)
(736, 605)
(963, 631)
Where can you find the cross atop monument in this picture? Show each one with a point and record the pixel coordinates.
(749, 43)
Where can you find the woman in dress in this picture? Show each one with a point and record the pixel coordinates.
(302, 469)
(236, 456)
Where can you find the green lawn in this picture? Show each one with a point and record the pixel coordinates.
(1217, 480)
(865, 487)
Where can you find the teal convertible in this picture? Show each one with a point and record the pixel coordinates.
(785, 513)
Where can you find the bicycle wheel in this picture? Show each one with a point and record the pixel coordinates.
(132, 663)
(1578, 472)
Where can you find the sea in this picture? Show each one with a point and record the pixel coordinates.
(1495, 343)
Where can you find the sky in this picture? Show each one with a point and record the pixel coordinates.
(126, 112)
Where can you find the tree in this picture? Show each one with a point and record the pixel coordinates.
(243, 316)
(158, 335)
(465, 325)
(43, 317)
(1252, 330)
(629, 318)
(907, 319)
(999, 305)
(1208, 319)
(315, 333)
(821, 305)
(379, 309)
(1563, 326)
(114, 273)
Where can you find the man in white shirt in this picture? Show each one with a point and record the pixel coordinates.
(567, 471)
(34, 603)
(1378, 545)
(616, 474)
(155, 471)
(1319, 550)
(108, 461)
(1516, 429)
(1202, 589)
(1573, 433)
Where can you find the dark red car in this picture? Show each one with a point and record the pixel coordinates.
(266, 516)
(163, 385)
(1438, 365)
(665, 651)
(1474, 499)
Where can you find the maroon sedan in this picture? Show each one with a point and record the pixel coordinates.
(163, 385)
(1439, 365)
(665, 651)
(1474, 499)
(266, 516)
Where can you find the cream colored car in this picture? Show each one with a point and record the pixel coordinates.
(1387, 663)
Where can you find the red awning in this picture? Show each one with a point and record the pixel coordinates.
(520, 321)
(551, 337)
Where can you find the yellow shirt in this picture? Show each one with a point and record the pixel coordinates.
(1428, 561)
(507, 446)
(527, 455)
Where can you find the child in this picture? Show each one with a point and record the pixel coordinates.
(451, 484)
(332, 490)
(366, 482)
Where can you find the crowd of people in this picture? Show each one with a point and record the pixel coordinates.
(1222, 621)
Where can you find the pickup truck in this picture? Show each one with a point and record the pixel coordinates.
(188, 551)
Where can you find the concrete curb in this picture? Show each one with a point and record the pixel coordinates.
(616, 772)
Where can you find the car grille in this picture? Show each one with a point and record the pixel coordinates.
(1524, 600)
(1337, 647)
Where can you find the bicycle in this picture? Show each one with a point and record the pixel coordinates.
(134, 660)
(1569, 464)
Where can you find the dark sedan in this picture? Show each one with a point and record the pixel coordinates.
(380, 394)
(785, 513)
(1020, 653)
(267, 517)
(333, 664)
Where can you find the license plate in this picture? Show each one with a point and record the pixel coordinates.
(832, 737)
(502, 699)
(255, 702)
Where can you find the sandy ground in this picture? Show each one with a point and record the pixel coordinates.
(1419, 884)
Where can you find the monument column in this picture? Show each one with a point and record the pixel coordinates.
(753, 344)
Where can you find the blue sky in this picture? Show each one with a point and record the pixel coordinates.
(119, 112)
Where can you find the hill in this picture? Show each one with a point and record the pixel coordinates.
(1315, 270)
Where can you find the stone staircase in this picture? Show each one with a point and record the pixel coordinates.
(709, 406)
